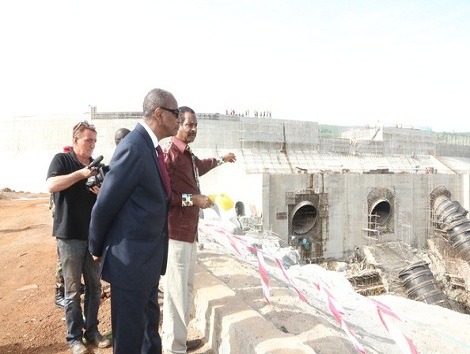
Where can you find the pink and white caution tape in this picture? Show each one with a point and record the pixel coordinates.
(385, 312)
(262, 267)
(263, 275)
(234, 242)
(405, 344)
(338, 312)
(290, 281)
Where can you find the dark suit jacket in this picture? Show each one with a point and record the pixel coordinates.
(129, 224)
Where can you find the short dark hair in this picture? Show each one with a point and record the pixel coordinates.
(183, 110)
(155, 98)
(120, 134)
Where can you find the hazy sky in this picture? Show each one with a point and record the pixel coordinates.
(335, 62)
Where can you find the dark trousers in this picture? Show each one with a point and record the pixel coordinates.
(135, 316)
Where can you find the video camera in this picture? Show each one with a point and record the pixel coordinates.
(102, 171)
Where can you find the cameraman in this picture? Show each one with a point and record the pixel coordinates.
(73, 200)
(103, 169)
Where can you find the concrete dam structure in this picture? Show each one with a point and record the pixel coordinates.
(334, 197)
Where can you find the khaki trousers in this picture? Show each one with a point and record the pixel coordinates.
(178, 295)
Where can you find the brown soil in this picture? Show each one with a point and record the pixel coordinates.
(29, 320)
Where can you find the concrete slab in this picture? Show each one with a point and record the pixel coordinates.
(232, 326)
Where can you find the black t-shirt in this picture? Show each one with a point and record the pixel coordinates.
(72, 205)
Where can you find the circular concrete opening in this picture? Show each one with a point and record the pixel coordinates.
(304, 217)
(380, 211)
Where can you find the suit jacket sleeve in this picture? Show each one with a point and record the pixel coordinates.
(118, 185)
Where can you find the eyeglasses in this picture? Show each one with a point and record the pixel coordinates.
(84, 124)
(175, 111)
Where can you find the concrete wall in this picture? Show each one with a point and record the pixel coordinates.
(216, 131)
(409, 141)
(347, 223)
(263, 175)
(27, 145)
(217, 134)
(231, 179)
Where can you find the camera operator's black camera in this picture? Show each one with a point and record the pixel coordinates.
(102, 171)
(99, 178)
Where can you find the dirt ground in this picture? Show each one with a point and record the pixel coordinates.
(29, 320)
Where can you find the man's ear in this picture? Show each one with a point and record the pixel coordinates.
(157, 114)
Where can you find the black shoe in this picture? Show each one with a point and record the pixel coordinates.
(193, 344)
(59, 299)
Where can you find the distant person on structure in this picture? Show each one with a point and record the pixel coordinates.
(129, 226)
(184, 169)
(74, 200)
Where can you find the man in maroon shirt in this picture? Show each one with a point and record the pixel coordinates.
(184, 169)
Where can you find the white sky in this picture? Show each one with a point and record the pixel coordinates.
(337, 62)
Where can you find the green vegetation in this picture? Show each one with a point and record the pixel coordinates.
(332, 131)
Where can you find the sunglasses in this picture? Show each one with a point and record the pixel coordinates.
(81, 125)
(175, 111)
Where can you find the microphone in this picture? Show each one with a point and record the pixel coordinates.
(96, 161)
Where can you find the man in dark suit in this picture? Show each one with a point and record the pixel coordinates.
(129, 227)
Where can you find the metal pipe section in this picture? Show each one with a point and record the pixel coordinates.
(451, 217)
(420, 285)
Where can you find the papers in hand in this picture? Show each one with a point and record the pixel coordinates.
(215, 207)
